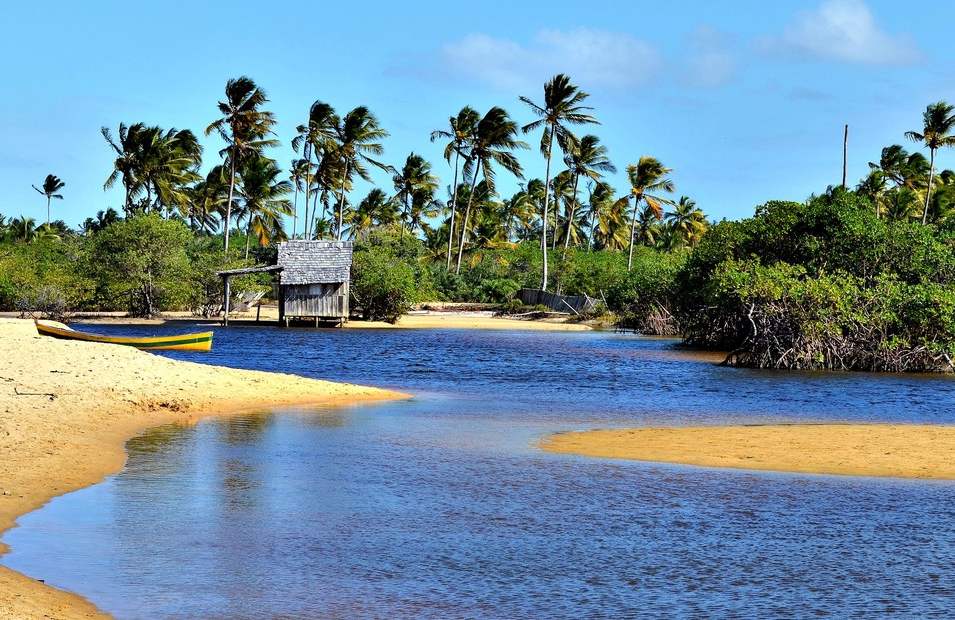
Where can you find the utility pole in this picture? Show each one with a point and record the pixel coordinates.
(845, 152)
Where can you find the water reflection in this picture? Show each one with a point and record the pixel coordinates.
(442, 506)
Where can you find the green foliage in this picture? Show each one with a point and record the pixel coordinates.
(45, 275)
(388, 275)
(825, 284)
(143, 263)
(644, 297)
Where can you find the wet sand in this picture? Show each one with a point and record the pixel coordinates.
(885, 450)
(67, 409)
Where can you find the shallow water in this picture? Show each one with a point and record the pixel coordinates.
(443, 507)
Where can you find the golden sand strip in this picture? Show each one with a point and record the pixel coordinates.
(430, 320)
(885, 450)
(67, 409)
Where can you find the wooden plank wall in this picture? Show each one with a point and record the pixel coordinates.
(316, 300)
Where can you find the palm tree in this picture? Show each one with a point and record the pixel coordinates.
(316, 136)
(494, 139)
(23, 228)
(51, 185)
(244, 127)
(208, 198)
(358, 138)
(647, 177)
(873, 187)
(414, 181)
(648, 229)
(460, 138)
(297, 173)
(517, 213)
(375, 209)
(588, 159)
(687, 221)
(126, 164)
(167, 162)
(265, 200)
(901, 204)
(938, 122)
(601, 199)
(561, 107)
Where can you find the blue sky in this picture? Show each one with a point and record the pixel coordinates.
(744, 100)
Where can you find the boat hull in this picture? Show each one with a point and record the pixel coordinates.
(199, 341)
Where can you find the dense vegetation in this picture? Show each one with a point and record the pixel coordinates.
(822, 284)
(855, 279)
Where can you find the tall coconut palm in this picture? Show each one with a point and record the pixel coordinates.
(298, 171)
(244, 127)
(647, 227)
(168, 163)
(128, 155)
(316, 137)
(51, 185)
(207, 200)
(460, 138)
(938, 121)
(600, 199)
(687, 221)
(375, 209)
(494, 140)
(647, 178)
(265, 200)
(517, 213)
(588, 159)
(359, 136)
(414, 181)
(560, 109)
(873, 187)
(901, 204)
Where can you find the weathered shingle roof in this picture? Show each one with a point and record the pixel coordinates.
(315, 262)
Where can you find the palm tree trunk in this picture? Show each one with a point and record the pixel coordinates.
(228, 205)
(633, 232)
(295, 210)
(550, 148)
(573, 210)
(341, 202)
(248, 236)
(928, 191)
(467, 217)
(308, 185)
(314, 211)
(324, 201)
(48, 212)
(454, 207)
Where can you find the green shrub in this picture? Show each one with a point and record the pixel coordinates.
(142, 263)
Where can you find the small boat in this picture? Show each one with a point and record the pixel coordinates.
(198, 341)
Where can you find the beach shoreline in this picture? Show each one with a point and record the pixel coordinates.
(422, 319)
(68, 408)
(912, 451)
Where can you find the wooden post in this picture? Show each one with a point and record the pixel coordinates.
(282, 320)
(226, 296)
(845, 152)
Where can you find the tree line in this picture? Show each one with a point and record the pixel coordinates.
(573, 206)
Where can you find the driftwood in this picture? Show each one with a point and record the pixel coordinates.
(17, 391)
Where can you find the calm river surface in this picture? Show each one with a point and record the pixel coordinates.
(443, 507)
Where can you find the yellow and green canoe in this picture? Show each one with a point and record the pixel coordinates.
(198, 341)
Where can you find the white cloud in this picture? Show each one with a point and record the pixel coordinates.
(846, 31)
(592, 57)
(710, 62)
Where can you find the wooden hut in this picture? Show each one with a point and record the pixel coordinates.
(314, 280)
